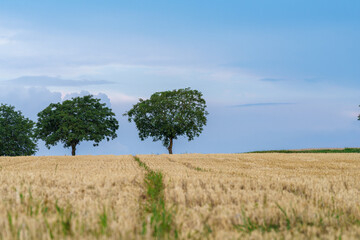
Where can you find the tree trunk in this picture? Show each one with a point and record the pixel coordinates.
(73, 149)
(170, 146)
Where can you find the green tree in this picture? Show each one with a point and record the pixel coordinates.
(76, 120)
(17, 137)
(170, 114)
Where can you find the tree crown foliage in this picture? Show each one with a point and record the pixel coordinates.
(76, 120)
(170, 114)
(17, 137)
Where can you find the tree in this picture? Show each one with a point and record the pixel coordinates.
(76, 120)
(17, 137)
(170, 114)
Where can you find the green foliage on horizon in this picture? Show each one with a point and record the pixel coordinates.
(17, 137)
(345, 150)
(170, 114)
(76, 120)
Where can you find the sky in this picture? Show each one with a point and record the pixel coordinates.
(275, 74)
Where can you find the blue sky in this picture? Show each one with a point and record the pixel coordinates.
(275, 74)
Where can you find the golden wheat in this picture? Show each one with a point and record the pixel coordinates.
(43, 195)
(227, 196)
(215, 196)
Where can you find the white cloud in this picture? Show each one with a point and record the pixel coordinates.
(45, 81)
(7, 36)
(351, 114)
(104, 98)
(4, 41)
(117, 97)
(28, 100)
(108, 97)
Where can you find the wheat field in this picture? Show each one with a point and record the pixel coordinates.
(62, 197)
(208, 196)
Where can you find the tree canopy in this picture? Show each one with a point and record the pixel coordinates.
(170, 114)
(17, 137)
(79, 119)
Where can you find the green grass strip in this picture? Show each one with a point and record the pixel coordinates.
(345, 150)
(161, 221)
